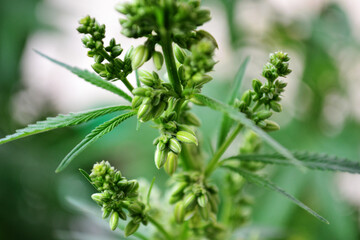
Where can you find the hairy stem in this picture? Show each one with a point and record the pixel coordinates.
(215, 159)
(160, 228)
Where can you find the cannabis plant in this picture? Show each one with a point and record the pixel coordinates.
(165, 97)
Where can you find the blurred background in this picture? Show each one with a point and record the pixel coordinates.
(321, 112)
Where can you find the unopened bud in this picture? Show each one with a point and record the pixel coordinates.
(171, 163)
(131, 228)
(202, 200)
(175, 146)
(158, 60)
(264, 114)
(114, 220)
(271, 126)
(275, 106)
(160, 158)
(189, 201)
(179, 54)
(186, 137)
(179, 212)
(139, 57)
(256, 84)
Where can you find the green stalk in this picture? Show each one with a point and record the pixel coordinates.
(160, 228)
(215, 159)
(166, 44)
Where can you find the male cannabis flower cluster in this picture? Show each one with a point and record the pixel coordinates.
(116, 195)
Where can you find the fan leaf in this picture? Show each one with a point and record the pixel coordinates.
(60, 121)
(260, 181)
(309, 160)
(95, 134)
(90, 77)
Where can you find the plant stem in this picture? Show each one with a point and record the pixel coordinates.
(215, 159)
(170, 62)
(160, 228)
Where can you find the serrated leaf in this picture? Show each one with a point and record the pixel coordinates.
(86, 175)
(95, 134)
(241, 118)
(226, 121)
(256, 179)
(60, 121)
(309, 160)
(90, 77)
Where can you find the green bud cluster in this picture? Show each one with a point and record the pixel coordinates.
(147, 17)
(118, 197)
(197, 63)
(266, 95)
(168, 144)
(152, 99)
(195, 198)
(93, 39)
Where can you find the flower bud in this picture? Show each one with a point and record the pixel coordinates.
(131, 228)
(98, 67)
(192, 119)
(179, 54)
(144, 109)
(160, 158)
(256, 84)
(189, 201)
(139, 56)
(141, 91)
(186, 137)
(275, 106)
(175, 146)
(106, 212)
(146, 78)
(97, 197)
(158, 60)
(263, 114)
(135, 208)
(122, 215)
(136, 101)
(171, 163)
(202, 200)
(179, 212)
(159, 109)
(271, 126)
(246, 98)
(114, 220)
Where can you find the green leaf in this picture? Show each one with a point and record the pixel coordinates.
(240, 117)
(90, 77)
(226, 121)
(309, 160)
(95, 134)
(256, 179)
(59, 121)
(86, 175)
